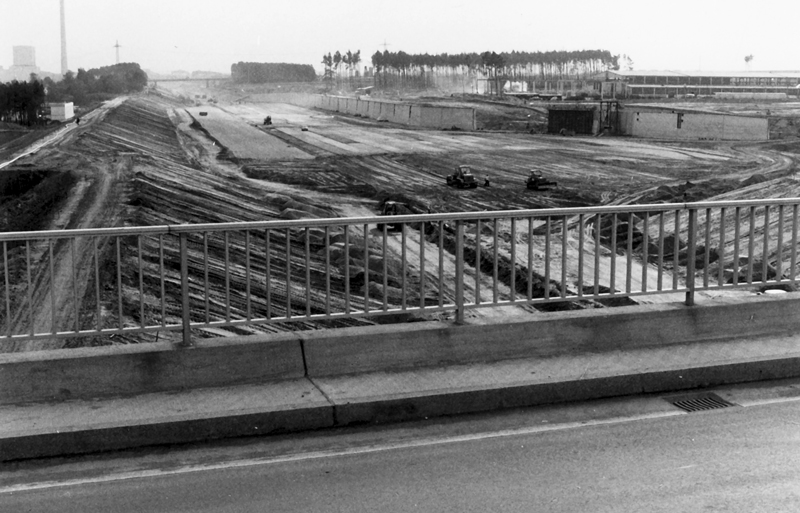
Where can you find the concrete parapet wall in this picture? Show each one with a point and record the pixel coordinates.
(694, 126)
(147, 368)
(588, 331)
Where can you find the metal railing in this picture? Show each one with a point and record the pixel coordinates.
(328, 272)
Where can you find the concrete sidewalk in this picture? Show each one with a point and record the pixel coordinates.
(78, 426)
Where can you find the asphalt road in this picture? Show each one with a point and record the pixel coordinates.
(630, 454)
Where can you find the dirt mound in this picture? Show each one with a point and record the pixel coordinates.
(691, 191)
(755, 179)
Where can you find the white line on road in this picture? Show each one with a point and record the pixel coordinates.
(426, 442)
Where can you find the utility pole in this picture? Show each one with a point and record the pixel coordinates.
(117, 47)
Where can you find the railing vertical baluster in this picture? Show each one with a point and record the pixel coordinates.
(185, 313)
(547, 258)
(268, 272)
(75, 284)
(645, 248)
(459, 272)
(629, 256)
(422, 265)
(161, 277)
(513, 259)
(779, 261)
(765, 250)
(248, 303)
(385, 269)
(403, 256)
(98, 303)
(347, 269)
(119, 285)
(206, 285)
(660, 276)
(52, 286)
(564, 250)
(751, 245)
(792, 271)
(30, 287)
(142, 323)
(288, 273)
(691, 255)
(612, 279)
(530, 258)
(495, 258)
(597, 227)
(676, 250)
(328, 270)
(7, 290)
(366, 268)
(308, 271)
(736, 233)
(478, 262)
(707, 253)
(721, 251)
(441, 263)
(227, 267)
(581, 227)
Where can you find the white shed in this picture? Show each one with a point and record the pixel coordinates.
(61, 111)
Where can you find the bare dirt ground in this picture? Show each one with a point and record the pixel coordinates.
(151, 160)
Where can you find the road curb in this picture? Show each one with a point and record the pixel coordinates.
(388, 408)
(442, 403)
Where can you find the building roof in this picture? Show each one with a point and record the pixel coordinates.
(703, 73)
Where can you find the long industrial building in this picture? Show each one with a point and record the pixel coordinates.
(666, 84)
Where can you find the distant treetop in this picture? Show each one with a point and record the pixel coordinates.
(266, 72)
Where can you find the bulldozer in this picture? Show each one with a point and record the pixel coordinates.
(462, 178)
(536, 181)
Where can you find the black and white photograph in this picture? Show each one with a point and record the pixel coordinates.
(422, 256)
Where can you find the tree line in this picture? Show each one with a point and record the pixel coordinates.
(97, 84)
(270, 72)
(333, 64)
(21, 102)
(403, 69)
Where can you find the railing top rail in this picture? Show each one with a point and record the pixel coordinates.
(356, 221)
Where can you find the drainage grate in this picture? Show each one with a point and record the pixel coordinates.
(699, 402)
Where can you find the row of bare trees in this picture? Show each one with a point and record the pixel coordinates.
(394, 69)
(334, 63)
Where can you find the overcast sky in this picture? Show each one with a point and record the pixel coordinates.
(210, 35)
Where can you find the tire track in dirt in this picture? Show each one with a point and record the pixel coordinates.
(61, 282)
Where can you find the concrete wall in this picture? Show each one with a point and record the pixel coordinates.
(752, 96)
(143, 368)
(693, 126)
(427, 116)
(137, 369)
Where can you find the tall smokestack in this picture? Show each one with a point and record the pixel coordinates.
(63, 42)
